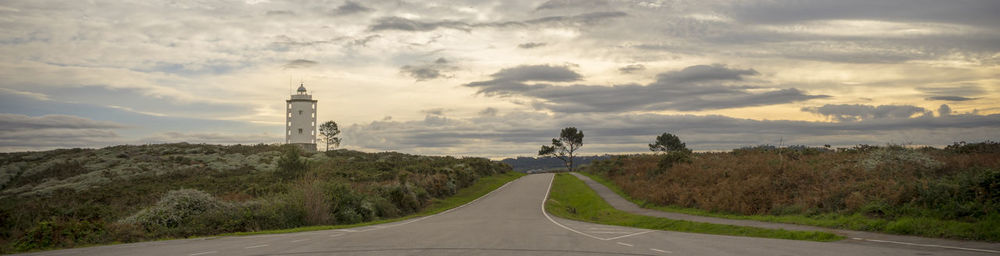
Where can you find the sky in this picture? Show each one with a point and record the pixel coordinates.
(501, 78)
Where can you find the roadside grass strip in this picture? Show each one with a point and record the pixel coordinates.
(482, 187)
(571, 198)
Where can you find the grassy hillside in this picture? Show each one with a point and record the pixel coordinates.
(952, 192)
(65, 198)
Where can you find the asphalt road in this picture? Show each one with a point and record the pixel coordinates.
(509, 221)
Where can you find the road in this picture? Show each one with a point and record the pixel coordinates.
(509, 221)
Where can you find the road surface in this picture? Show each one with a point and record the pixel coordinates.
(509, 221)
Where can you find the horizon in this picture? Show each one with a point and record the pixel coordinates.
(498, 79)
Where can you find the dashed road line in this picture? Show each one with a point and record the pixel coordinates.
(660, 251)
(336, 235)
(300, 240)
(629, 245)
(255, 246)
(927, 245)
(202, 253)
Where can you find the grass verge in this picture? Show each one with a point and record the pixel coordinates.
(919, 226)
(572, 199)
(482, 187)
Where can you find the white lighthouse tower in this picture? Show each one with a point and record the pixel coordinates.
(300, 121)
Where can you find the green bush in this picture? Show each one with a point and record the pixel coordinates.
(175, 208)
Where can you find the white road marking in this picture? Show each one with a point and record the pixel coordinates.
(574, 230)
(300, 240)
(609, 232)
(927, 245)
(255, 246)
(658, 250)
(629, 245)
(336, 235)
(202, 253)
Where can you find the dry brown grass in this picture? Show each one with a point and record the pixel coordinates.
(755, 182)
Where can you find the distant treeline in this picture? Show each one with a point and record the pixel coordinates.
(523, 164)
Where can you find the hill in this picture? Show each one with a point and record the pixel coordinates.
(67, 197)
(524, 164)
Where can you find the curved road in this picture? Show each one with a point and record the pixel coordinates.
(509, 221)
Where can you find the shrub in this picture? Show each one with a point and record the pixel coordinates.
(175, 208)
(893, 158)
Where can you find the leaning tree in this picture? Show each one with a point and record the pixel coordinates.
(570, 139)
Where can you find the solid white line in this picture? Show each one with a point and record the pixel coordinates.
(255, 246)
(609, 232)
(928, 245)
(629, 245)
(633, 234)
(658, 250)
(202, 253)
(300, 240)
(557, 223)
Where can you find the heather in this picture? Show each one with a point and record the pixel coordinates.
(72, 197)
(951, 192)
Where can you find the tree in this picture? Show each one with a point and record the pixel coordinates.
(668, 143)
(570, 139)
(329, 131)
(677, 151)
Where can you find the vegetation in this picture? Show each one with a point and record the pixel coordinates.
(523, 164)
(570, 139)
(950, 193)
(571, 198)
(72, 197)
(328, 134)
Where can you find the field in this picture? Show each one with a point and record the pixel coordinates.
(74, 197)
(951, 193)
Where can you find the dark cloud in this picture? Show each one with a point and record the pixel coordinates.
(433, 111)
(859, 112)
(300, 63)
(530, 45)
(404, 24)
(631, 68)
(280, 13)
(973, 12)
(21, 132)
(490, 111)
(693, 88)
(12, 122)
(429, 71)
(349, 8)
(950, 98)
(560, 4)
(944, 110)
(954, 93)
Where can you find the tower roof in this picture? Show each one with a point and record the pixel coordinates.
(302, 88)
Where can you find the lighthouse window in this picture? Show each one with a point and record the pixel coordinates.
(314, 105)
(312, 132)
(289, 114)
(289, 105)
(313, 115)
(300, 130)
(300, 112)
(289, 124)
(289, 132)
(314, 123)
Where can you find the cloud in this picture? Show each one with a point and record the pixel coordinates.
(981, 12)
(429, 71)
(631, 68)
(693, 88)
(349, 8)
(300, 63)
(859, 112)
(560, 4)
(950, 98)
(530, 45)
(944, 110)
(21, 132)
(12, 122)
(280, 13)
(520, 133)
(490, 111)
(404, 24)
